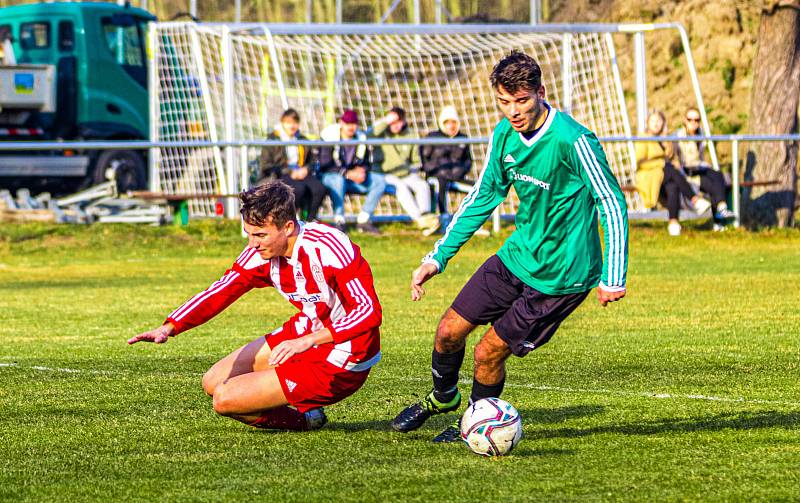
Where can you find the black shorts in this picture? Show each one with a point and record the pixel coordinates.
(523, 317)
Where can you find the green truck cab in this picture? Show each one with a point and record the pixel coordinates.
(78, 72)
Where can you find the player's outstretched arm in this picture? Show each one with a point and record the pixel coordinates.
(605, 296)
(159, 335)
(422, 274)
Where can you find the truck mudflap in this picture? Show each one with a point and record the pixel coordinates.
(76, 166)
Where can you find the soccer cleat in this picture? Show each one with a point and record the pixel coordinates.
(724, 214)
(368, 228)
(316, 418)
(450, 434)
(339, 223)
(414, 416)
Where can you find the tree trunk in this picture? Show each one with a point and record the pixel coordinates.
(773, 110)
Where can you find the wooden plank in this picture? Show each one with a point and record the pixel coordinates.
(147, 195)
(7, 215)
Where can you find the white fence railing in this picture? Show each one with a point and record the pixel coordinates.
(242, 180)
(231, 81)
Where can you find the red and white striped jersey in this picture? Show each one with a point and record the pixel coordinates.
(326, 279)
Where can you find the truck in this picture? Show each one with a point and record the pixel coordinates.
(73, 71)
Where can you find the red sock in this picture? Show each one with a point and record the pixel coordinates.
(282, 418)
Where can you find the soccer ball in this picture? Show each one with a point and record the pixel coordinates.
(491, 427)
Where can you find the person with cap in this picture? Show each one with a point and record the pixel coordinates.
(346, 168)
(446, 163)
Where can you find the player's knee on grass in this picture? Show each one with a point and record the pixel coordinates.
(210, 382)
(224, 405)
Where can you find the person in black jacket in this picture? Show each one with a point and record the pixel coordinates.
(294, 165)
(446, 163)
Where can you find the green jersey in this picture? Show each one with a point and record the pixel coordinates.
(562, 179)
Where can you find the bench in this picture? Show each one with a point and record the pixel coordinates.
(179, 203)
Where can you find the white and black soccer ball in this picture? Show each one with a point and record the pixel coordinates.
(491, 427)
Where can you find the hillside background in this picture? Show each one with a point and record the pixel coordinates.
(722, 35)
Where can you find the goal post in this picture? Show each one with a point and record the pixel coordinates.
(232, 82)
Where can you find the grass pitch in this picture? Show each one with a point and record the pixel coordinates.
(686, 390)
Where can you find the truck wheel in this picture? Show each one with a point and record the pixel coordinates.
(128, 169)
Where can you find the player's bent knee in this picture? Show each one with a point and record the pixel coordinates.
(223, 405)
(210, 382)
(449, 334)
(487, 354)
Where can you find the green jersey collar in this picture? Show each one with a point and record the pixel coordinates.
(551, 113)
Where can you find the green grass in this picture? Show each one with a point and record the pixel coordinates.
(687, 390)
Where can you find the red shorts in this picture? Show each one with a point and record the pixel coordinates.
(309, 380)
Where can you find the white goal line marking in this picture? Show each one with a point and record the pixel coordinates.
(94, 372)
(642, 394)
(554, 389)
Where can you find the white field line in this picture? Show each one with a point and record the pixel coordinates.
(553, 389)
(641, 394)
(95, 372)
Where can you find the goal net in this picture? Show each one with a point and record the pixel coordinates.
(232, 82)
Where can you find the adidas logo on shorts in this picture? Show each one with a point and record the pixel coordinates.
(290, 384)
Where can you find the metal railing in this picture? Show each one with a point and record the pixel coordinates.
(735, 140)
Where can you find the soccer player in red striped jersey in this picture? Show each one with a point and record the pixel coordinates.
(323, 353)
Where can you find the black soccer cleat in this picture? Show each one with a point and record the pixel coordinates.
(450, 434)
(414, 416)
(316, 418)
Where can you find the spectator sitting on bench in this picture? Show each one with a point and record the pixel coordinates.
(446, 163)
(691, 156)
(346, 169)
(658, 180)
(294, 165)
(400, 165)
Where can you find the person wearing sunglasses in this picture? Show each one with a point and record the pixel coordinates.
(658, 180)
(690, 155)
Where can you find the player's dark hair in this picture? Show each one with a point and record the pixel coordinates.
(517, 71)
(271, 202)
(290, 113)
(401, 114)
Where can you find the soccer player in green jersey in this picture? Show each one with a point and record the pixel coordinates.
(548, 265)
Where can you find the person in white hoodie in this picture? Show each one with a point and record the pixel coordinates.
(446, 163)
(347, 169)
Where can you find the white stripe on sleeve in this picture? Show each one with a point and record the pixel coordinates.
(616, 251)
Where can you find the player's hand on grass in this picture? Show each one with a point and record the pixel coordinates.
(158, 335)
(422, 274)
(286, 349)
(605, 296)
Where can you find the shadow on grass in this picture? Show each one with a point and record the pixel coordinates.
(437, 423)
(551, 416)
(727, 421)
